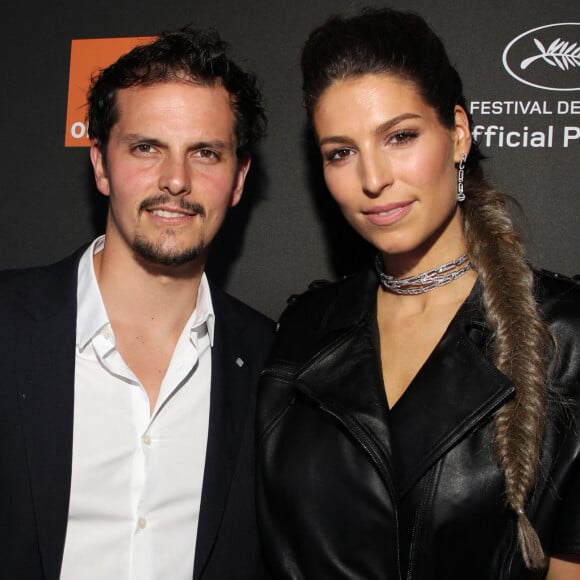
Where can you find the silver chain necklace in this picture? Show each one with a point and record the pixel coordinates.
(425, 282)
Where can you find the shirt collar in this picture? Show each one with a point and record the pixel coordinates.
(203, 313)
(92, 315)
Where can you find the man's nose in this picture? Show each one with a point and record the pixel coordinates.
(175, 176)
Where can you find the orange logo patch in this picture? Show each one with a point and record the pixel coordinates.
(87, 57)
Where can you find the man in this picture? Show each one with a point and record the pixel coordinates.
(127, 385)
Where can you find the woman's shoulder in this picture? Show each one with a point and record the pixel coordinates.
(558, 297)
(325, 300)
(559, 303)
(313, 317)
(309, 304)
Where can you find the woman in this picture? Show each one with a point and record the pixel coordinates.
(418, 420)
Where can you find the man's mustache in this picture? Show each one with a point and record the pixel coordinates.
(168, 200)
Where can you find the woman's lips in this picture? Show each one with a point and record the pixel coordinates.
(388, 214)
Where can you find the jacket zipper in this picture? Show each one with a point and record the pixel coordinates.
(428, 488)
(368, 446)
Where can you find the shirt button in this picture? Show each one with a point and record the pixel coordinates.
(146, 439)
(142, 523)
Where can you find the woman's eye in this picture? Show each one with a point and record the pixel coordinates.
(338, 154)
(401, 137)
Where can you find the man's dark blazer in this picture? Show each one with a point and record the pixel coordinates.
(37, 363)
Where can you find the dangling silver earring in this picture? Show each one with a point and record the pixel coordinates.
(460, 178)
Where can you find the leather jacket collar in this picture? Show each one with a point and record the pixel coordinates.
(468, 388)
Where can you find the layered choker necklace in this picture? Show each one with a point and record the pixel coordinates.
(425, 282)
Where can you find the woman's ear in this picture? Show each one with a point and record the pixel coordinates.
(462, 133)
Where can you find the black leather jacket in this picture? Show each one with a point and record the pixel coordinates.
(349, 489)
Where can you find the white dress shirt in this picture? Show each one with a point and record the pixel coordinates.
(136, 476)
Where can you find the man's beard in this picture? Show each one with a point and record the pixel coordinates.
(156, 253)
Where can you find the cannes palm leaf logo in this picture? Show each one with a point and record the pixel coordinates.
(560, 53)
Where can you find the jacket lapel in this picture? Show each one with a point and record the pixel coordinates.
(345, 376)
(230, 390)
(45, 339)
(456, 390)
(345, 381)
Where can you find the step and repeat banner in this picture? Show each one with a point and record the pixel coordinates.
(520, 62)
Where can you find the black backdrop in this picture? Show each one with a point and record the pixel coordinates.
(285, 232)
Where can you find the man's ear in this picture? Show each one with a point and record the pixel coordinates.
(462, 135)
(240, 178)
(99, 168)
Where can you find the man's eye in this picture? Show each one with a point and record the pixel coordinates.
(143, 148)
(207, 154)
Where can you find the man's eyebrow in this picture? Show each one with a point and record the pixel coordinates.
(216, 144)
(133, 138)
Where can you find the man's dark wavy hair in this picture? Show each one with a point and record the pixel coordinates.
(198, 56)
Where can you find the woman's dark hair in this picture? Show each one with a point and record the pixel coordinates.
(197, 56)
(401, 44)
